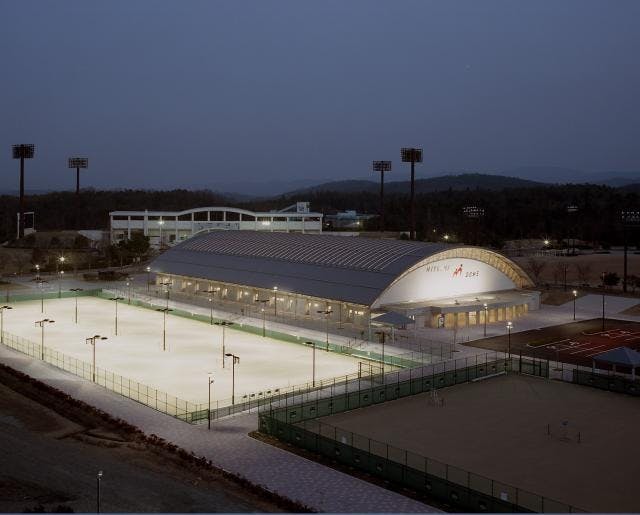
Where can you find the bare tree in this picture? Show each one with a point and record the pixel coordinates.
(560, 273)
(535, 267)
(583, 271)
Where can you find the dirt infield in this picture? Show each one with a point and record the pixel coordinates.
(498, 428)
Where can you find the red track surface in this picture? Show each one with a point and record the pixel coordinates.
(581, 348)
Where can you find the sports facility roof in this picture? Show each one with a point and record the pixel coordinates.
(345, 268)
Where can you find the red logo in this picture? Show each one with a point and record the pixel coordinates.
(458, 271)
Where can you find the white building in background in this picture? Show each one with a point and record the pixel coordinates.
(166, 228)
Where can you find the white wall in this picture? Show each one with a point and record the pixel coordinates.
(445, 279)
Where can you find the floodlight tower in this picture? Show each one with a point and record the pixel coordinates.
(22, 151)
(413, 156)
(382, 166)
(77, 163)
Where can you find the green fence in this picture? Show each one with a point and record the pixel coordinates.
(606, 381)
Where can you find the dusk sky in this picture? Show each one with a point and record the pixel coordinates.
(203, 93)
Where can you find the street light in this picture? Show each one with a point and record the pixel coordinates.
(60, 276)
(486, 314)
(98, 497)
(167, 285)
(77, 163)
(509, 327)
(160, 224)
(22, 151)
(148, 270)
(224, 325)
(92, 341)
(275, 302)
(603, 292)
(236, 360)
(42, 323)
(164, 326)
(413, 156)
(326, 314)
(210, 381)
(382, 167)
(37, 272)
(263, 302)
(2, 308)
(116, 299)
(41, 284)
(383, 337)
(313, 345)
(76, 290)
(575, 295)
(128, 283)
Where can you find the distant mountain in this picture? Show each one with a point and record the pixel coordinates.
(445, 182)
(559, 175)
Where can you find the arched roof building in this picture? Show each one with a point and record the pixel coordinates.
(372, 274)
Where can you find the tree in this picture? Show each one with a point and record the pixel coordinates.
(583, 271)
(634, 282)
(610, 279)
(535, 268)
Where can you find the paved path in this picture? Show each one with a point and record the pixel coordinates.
(229, 447)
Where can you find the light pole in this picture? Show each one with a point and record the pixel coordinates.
(2, 308)
(148, 270)
(509, 327)
(92, 341)
(37, 272)
(42, 323)
(116, 299)
(76, 290)
(210, 380)
(413, 156)
(167, 285)
(22, 151)
(128, 283)
(236, 360)
(575, 295)
(313, 345)
(164, 326)
(275, 302)
(486, 314)
(224, 325)
(326, 314)
(383, 336)
(60, 276)
(98, 497)
(603, 291)
(41, 283)
(382, 167)
(77, 163)
(263, 302)
(160, 224)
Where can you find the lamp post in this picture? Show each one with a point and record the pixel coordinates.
(76, 290)
(382, 167)
(210, 380)
(42, 323)
(603, 274)
(92, 341)
(164, 326)
(128, 283)
(275, 302)
(224, 325)
(509, 327)
(37, 272)
(160, 224)
(313, 345)
(148, 270)
(413, 156)
(486, 314)
(99, 477)
(575, 295)
(41, 284)
(383, 337)
(263, 302)
(326, 314)
(167, 285)
(116, 299)
(2, 308)
(22, 151)
(60, 276)
(236, 360)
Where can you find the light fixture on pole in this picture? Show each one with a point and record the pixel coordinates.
(99, 477)
(313, 345)
(37, 272)
(509, 327)
(382, 167)
(210, 380)
(326, 313)
(413, 156)
(76, 290)
(235, 361)
(77, 163)
(275, 302)
(263, 302)
(60, 276)
(167, 285)
(486, 314)
(575, 295)
(164, 326)
(92, 341)
(2, 308)
(160, 224)
(116, 299)
(41, 284)
(22, 151)
(148, 270)
(224, 324)
(42, 323)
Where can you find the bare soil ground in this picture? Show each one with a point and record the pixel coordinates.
(497, 428)
(51, 457)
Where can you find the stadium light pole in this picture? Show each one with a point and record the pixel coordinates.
(148, 270)
(22, 151)
(486, 314)
(116, 299)
(382, 167)
(76, 290)
(92, 341)
(224, 325)
(413, 156)
(236, 360)
(42, 323)
(509, 327)
(313, 345)
(77, 163)
(2, 308)
(164, 326)
(326, 313)
(575, 295)
(99, 477)
(210, 380)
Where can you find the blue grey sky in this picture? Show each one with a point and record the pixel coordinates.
(204, 93)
